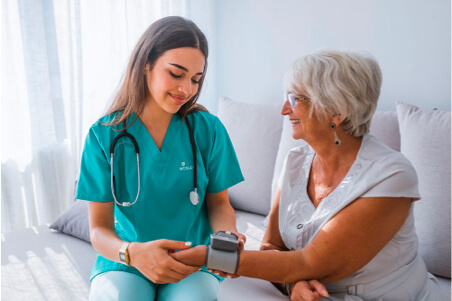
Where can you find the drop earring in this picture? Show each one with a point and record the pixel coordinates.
(337, 141)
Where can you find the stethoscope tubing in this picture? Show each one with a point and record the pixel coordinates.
(195, 158)
(194, 198)
(125, 204)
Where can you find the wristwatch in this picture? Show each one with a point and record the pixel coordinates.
(124, 253)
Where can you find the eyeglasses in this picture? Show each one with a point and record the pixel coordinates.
(294, 99)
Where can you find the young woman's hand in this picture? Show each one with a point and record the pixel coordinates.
(310, 290)
(154, 261)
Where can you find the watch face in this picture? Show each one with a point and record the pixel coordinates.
(122, 257)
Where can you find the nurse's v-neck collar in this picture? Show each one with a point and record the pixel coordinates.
(148, 142)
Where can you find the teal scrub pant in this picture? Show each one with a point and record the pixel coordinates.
(120, 285)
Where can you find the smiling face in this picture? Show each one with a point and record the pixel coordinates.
(308, 128)
(174, 78)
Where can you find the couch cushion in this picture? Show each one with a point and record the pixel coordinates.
(250, 224)
(286, 143)
(255, 131)
(42, 264)
(425, 141)
(244, 288)
(249, 289)
(385, 127)
(444, 284)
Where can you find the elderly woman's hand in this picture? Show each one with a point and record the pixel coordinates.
(310, 290)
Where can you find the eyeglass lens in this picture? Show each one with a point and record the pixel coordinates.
(291, 100)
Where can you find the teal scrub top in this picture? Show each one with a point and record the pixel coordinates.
(163, 209)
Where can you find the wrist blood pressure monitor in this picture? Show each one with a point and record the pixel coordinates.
(222, 253)
(225, 241)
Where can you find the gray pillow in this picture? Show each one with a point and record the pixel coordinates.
(425, 141)
(74, 221)
(255, 131)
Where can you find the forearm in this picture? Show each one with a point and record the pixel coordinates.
(278, 267)
(267, 246)
(106, 242)
(274, 266)
(222, 217)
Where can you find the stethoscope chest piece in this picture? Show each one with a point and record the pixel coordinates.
(194, 198)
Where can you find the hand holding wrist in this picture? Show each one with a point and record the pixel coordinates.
(195, 256)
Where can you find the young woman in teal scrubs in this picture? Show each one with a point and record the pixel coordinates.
(157, 98)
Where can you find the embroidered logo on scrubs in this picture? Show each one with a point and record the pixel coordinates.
(185, 167)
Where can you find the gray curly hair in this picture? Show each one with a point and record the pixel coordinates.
(345, 83)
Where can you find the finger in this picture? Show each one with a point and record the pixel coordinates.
(174, 244)
(219, 273)
(242, 238)
(242, 241)
(182, 269)
(319, 287)
(223, 274)
(307, 297)
(171, 276)
(303, 291)
(168, 262)
(189, 257)
(164, 277)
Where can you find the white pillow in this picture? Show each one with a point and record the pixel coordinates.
(385, 127)
(426, 142)
(255, 131)
(285, 145)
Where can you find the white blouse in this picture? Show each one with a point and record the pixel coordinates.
(378, 171)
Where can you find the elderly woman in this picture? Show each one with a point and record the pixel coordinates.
(343, 213)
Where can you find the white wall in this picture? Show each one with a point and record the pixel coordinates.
(257, 41)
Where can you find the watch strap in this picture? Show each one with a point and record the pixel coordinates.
(124, 253)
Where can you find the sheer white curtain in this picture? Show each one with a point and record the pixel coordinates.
(61, 63)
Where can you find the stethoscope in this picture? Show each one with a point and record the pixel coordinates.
(193, 196)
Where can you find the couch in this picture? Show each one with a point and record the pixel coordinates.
(40, 263)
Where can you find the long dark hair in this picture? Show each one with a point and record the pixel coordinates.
(164, 34)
